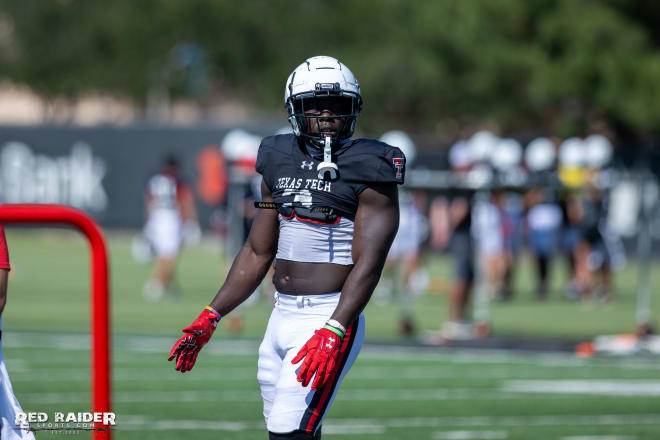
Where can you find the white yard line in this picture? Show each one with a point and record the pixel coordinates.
(600, 387)
(536, 420)
(598, 437)
(192, 425)
(154, 344)
(204, 425)
(469, 435)
(371, 425)
(345, 394)
(21, 370)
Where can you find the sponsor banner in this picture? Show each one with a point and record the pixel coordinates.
(103, 171)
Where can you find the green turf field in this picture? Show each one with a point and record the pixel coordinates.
(391, 393)
(51, 271)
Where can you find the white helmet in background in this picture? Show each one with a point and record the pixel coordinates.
(572, 153)
(540, 154)
(402, 141)
(460, 155)
(240, 144)
(482, 144)
(598, 151)
(325, 78)
(507, 155)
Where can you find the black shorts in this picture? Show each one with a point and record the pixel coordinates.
(462, 251)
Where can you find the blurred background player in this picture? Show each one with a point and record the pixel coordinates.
(544, 222)
(510, 214)
(240, 148)
(490, 239)
(505, 159)
(571, 208)
(171, 217)
(452, 225)
(251, 193)
(403, 261)
(9, 405)
(599, 251)
(403, 275)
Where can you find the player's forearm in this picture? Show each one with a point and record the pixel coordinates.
(245, 275)
(376, 223)
(357, 291)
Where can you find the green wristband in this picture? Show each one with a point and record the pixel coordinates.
(334, 330)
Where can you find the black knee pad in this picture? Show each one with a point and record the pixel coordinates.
(295, 435)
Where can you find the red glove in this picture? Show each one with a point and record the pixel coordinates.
(320, 353)
(198, 334)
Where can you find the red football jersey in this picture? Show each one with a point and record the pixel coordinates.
(4, 253)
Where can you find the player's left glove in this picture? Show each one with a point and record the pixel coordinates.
(321, 353)
(197, 335)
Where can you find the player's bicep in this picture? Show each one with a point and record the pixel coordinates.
(266, 195)
(265, 228)
(376, 223)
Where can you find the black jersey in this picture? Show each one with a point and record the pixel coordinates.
(292, 177)
(464, 225)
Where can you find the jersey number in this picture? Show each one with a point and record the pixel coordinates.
(300, 196)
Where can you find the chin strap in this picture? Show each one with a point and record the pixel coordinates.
(327, 167)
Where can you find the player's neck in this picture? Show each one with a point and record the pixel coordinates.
(317, 152)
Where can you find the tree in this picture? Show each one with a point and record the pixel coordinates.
(423, 65)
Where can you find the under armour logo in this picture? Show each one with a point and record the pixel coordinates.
(307, 165)
(330, 343)
(398, 164)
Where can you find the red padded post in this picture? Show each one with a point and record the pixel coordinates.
(100, 299)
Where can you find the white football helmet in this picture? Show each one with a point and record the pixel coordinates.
(322, 77)
(540, 154)
(402, 141)
(572, 153)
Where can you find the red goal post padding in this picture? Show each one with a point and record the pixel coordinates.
(100, 305)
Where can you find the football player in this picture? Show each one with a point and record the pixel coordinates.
(404, 259)
(9, 406)
(171, 217)
(330, 216)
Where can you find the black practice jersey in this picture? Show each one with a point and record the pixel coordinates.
(464, 225)
(292, 176)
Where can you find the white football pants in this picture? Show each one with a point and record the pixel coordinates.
(288, 406)
(164, 231)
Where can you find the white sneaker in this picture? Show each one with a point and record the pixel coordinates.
(458, 330)
(153, 291)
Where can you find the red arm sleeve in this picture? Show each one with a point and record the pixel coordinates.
(4, 252)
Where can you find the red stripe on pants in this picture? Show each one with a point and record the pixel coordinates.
(330, 385)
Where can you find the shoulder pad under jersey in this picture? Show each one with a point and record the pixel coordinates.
(273, 150)
(372, 161)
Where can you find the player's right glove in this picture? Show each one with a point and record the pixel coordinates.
(197, 335)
